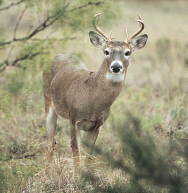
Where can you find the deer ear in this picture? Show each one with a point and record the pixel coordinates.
(138, 42)
(97, 40)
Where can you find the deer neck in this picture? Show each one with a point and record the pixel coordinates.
(108, 80)
(104, 91)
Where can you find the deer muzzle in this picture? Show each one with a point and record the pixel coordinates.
(116, 67)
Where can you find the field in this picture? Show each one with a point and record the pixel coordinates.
(142, 147)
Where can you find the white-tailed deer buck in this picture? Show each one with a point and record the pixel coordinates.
(82, 96)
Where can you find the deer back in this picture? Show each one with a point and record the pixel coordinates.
(65, 70)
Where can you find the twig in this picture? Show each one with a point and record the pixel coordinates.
(21, 157)
(46, 11)
(41, 27)
(30, 27)
(54, 39)
(9, 54)
(11, 5)
(27, 56)
(3, 66)
(48, 22)
(86, 5)
(37, 13)
(17, 24)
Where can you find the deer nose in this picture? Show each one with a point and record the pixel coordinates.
(116, 67)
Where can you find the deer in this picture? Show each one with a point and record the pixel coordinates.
(82, 96)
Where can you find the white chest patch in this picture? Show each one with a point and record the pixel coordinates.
(115, 77)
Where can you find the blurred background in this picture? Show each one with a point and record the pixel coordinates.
(143, 145)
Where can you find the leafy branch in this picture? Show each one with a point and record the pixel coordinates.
(49, 20)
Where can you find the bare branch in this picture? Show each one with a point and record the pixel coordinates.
(17, 24)
(37, 13)
(3, 66)
(41, 27)
(30, 28)
(46, 11)
(28, 156)
(86, 5)
(25, 57)
(48, 22)
(14, 63)
(9, 54)
(6, 62)
(11, 5)
(54, 39)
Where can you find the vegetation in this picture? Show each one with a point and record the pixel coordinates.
(143, 145)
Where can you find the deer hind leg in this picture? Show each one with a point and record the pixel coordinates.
(51, 128)
(50, 115)
(47, 79)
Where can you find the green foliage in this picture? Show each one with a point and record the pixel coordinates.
(5, 102)
(2, 179)
(179, 115)
(156, 121)
(163, 47)
(152, 167)
(16, 177)
(15, 84)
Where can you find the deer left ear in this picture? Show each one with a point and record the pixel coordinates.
(138, 42)
(97, 40)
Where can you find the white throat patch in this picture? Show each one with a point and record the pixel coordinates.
(119, 77)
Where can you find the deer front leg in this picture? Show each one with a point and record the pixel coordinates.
(51, 127)
(75, 144)
(91, 131)
(89, 140)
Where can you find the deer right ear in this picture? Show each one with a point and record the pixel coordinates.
(97, 40)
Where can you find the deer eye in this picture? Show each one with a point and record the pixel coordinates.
(106, 52)
(127, 53)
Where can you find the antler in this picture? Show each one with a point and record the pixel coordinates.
(129, 38)
(108, 38)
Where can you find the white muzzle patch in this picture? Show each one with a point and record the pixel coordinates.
(115, 77)
(116, 72)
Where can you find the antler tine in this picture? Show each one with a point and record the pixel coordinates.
(129, 38)
(95, 22)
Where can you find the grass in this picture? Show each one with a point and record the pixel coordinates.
(149, 117)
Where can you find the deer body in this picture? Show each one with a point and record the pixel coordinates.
(66, 99)
(85, 97)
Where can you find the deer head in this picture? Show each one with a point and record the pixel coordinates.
(117, 53)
